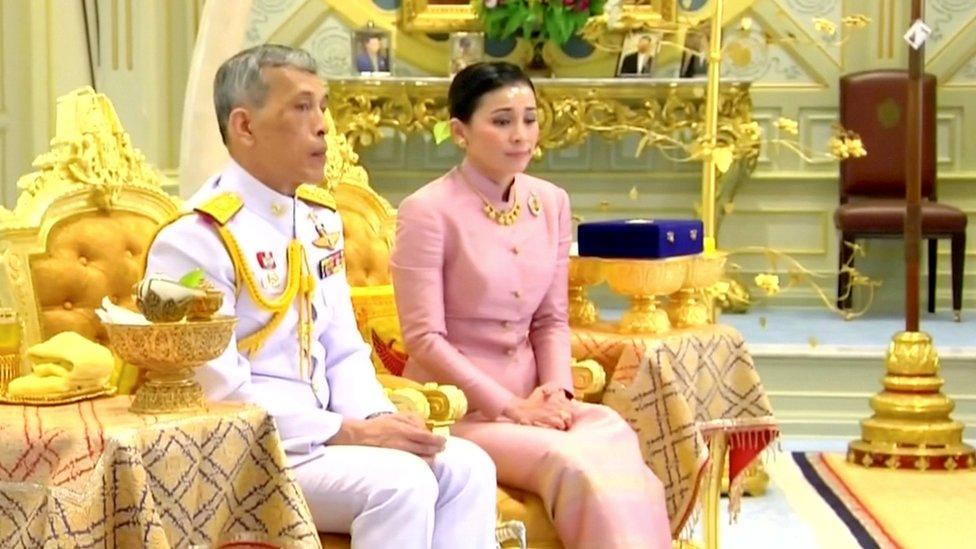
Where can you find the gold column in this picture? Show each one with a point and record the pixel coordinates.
(711, 126)
(718, 447)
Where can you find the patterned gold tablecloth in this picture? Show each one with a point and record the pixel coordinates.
(92, 474)
(676, 390)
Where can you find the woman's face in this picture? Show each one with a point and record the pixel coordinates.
(502, 132)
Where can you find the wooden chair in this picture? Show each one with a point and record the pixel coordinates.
(872, 188)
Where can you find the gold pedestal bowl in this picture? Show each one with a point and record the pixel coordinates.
(689, 306)
(583, 272)
(168, 352)
(642, 280)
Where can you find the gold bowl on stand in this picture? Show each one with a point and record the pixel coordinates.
(168, 352)
(690, 306)
(642, 280)
(583, 272)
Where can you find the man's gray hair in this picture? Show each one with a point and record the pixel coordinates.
(239, 80)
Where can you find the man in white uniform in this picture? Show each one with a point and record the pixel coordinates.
(274, 247)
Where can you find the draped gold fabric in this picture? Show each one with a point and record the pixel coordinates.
(675, 390)
(97, 475)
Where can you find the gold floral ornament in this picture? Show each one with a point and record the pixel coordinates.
(787, 125)
(768, 283)
(846, 144)
(824, 26)
(856, 21)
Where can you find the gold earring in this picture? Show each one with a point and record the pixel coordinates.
(463, 143)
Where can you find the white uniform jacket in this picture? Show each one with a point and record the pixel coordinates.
(307, 410)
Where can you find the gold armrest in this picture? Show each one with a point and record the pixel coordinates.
(589, 380)
(440, 405)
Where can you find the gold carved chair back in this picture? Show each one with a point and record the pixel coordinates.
(82, 223)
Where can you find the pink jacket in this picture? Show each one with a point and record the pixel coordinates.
(484, 306)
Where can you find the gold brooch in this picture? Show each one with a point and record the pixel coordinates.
(535, 206)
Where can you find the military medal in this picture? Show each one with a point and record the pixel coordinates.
(266, 260)
(535, 207)
(327, 240)
(331, 264)
(270, 280)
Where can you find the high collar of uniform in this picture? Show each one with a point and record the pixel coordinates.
(274, 207)
(491, 190)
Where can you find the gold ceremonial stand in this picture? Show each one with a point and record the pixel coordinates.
(911, 427)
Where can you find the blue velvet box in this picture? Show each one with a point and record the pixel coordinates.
(640, 238)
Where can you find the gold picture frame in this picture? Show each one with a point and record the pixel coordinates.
(438, 16)
(445, 16)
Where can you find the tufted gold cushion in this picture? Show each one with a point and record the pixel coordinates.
(368, 225)
(87, 257)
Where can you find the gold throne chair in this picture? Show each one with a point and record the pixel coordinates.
(82, 223)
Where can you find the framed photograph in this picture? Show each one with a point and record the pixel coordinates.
(371, 52)
(438, 16)
(637, 54)
(694, 57)
(466, 49)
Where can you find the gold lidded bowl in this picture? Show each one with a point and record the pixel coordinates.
(642, 281)
(203, 307)
(164, 300)
(169, 351)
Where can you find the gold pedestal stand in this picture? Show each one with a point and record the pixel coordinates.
(169, 351)
(642, 280)
(911, 427)
(583, 272)
(690, 306)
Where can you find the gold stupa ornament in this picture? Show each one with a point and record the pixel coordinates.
(911, 427)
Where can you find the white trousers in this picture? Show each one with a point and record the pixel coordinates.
(389, 498)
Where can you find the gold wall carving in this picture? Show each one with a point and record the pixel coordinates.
(570, 110)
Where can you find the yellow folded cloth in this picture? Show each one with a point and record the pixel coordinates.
(65, 362)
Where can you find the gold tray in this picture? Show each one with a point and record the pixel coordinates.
(63, 398)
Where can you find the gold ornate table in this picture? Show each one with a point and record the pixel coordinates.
(97, 475)
(678, 389)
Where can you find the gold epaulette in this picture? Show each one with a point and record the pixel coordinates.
(316, 195)
(222, 207)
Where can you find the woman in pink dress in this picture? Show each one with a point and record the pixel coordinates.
(480, 274)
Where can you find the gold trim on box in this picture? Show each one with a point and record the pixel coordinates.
(59, 398)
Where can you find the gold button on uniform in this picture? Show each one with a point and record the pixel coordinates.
(511, 352)
(515, 250)
(517, 294)
(506, 324)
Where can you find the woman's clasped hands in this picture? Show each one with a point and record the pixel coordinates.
(547, 406)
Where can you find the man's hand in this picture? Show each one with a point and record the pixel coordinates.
(400, 431)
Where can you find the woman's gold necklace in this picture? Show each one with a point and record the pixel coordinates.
(502, 217)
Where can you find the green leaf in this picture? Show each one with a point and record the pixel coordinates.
(442, 131)
(193, 278)
(514, 23)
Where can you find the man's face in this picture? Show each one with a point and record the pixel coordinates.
(644, 45)
(287, 134)
(373, 45)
